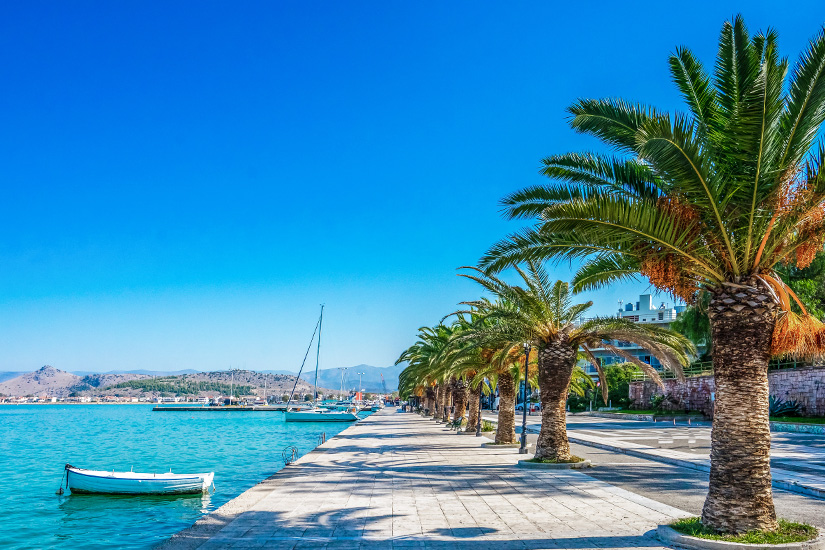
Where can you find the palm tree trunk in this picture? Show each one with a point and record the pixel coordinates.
(460, 395)
(472, 420)
(556, 361)
(439, 399)
(506, 431)
(448, 397)
(739, 498)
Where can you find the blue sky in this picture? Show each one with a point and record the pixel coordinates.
(183, 183)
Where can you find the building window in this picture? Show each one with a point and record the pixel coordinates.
(661, 315)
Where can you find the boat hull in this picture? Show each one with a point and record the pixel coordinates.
(311, 416)
(81, 481)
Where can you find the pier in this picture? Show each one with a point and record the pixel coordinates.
(398, 480)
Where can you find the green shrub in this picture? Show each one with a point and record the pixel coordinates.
(779, 407)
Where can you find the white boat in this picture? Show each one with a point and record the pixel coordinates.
(81, 481)
(319, 415)
(309, 412)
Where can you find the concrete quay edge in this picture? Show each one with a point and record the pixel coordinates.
(209, 525)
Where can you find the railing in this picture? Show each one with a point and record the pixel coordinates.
(706, 369)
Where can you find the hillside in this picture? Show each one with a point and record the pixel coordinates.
(370, 381)
(276, 384)
(45, 381)
(52, 382)
(91, 381)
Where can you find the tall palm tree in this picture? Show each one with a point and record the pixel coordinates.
(713, 199)
(543, 314)
(480, 357)
(424, 374)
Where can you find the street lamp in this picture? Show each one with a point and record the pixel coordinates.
(523, 449)
(360, 389)
(480, 398)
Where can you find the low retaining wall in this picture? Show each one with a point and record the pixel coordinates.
(803, 385)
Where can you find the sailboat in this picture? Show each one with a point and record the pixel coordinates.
(316, 414)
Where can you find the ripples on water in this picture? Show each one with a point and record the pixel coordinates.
(36, 441)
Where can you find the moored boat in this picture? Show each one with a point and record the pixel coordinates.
(81, 481)
(320, 416)
(342, 411)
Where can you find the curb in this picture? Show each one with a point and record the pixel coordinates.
(503, 445)
(668, 535)
(555, 465)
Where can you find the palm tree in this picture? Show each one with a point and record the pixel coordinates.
(504, 375)
(424, 374)
(543, 314)
(714, 199)
(480, 357)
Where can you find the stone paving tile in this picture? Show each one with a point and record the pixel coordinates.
(398, 481)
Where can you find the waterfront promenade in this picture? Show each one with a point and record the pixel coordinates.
(397, 480)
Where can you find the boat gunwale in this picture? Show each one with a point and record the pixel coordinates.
(201, 477)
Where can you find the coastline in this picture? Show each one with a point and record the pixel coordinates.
(53, 404)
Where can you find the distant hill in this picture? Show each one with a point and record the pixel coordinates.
(138, 371)
(370, 381)
(45, 381)
(52, 382)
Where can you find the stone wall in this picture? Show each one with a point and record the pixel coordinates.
(804, 385)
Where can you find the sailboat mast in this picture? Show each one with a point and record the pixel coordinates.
(318, 353)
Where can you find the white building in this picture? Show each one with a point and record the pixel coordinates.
(643, 311)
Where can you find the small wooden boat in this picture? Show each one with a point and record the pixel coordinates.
(81, 481)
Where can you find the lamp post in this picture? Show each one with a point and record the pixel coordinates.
(480, 401)
(523, 449)
(360, 389)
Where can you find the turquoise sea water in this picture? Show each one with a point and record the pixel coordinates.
(36, 441)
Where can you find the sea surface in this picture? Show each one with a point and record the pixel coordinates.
(36, 441)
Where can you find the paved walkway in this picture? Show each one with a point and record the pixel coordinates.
(398, 480)
(797, 460)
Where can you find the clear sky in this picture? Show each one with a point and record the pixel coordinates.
(184, 182)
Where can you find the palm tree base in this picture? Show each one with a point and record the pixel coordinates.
(554, 465)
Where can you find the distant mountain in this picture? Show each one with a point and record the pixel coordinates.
(139, 371)
(54, 382)
(370, 380)
(45, 381)
(51, 382)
